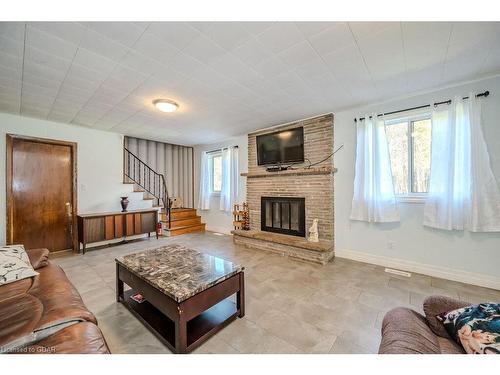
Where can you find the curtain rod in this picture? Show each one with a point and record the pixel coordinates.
(219, 149)
(485, 94)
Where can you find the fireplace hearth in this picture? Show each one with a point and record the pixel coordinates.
(285, 215)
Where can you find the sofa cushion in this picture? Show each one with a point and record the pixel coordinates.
(405, 331)
(80, 338)
(38, 257)
(19, 316)
(58, 296)
(475, 327)
(435, 305)
(27, 305)
(14, 289)
(448, 346)
(14, 264)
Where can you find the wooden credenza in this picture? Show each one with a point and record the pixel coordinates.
(112, 225)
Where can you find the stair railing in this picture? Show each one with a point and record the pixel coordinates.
(148, 179)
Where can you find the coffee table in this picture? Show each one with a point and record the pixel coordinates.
(188, 293)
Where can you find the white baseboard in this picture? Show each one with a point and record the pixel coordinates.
(425, 269)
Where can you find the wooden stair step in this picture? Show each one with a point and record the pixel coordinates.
(176, 223)
(179, 213)
(186, 229)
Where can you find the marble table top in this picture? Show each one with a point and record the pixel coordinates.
(178, 271)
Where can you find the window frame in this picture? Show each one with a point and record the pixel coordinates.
(410, 197)
(211, 157)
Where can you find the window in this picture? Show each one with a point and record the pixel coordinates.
(216, 175)
(409, 141)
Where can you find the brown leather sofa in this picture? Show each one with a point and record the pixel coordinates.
(405, 331)
(32, 304)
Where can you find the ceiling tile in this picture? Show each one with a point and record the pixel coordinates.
(280, 36)
(384, 53)
(50, 43)
(271, 67)
(95, 42)
(150, 46)
(370, 29)
(126, 33)
(203, 27)
(204, 50)
(45, 71)
(137, 61)
(11, 62)
(256, 28)
(185, 64)
(309, 29)
(298, 54)
(252, 52)
(178, 34)
(473, 32)
(45, 59)
(228, 35)
(69, 31)
(331, 39)
(93, 61)
(11, 46)
(13, 30)
(123, 78)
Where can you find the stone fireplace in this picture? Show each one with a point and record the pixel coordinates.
(283, 205)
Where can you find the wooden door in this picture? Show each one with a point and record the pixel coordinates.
(41, 193)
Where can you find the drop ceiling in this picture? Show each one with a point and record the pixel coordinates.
(228, 78)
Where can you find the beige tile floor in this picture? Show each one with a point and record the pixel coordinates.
(291, 306)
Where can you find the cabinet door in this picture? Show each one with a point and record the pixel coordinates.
(137, 224)
(148, 222)
(109, 227)
(119, 226)
(129, 224)
(94, 229)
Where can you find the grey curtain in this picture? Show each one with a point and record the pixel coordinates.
(173, 161)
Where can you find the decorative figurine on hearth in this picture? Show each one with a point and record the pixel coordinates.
(313, 232)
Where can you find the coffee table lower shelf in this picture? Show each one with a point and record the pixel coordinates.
(199, 329)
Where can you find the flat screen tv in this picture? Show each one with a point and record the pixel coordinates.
(286, 146)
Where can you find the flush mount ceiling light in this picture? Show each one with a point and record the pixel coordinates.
(166, 105)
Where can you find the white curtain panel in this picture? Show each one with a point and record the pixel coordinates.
(373, 199)
(173, 161)
(463, 192)
(230, 177)
(204, 201)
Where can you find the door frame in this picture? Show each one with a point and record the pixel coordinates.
(9, 176)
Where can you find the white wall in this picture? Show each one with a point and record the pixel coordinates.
(217, 220)
(99, 163)
(471, 257)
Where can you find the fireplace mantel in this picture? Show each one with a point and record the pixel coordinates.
(292, 172)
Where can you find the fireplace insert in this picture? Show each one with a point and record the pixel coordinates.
(284, 215)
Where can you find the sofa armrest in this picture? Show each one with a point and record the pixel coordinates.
(435, 305)
(38, 257)
(405, 331)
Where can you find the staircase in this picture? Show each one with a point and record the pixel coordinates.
(175, 221)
